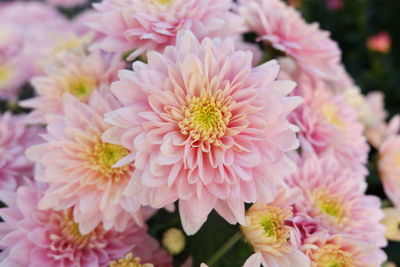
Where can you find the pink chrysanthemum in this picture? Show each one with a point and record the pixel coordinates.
(389, 167)
(341, 250)
(79, 167)
(79, 75)
(284, 28)
(204, 127)
(37, 238)
(268, 231)
(15, 137)
(154, 24)
(335, 198)
(328, 123)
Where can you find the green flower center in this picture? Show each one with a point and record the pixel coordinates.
(82, 87)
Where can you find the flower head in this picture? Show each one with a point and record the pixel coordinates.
(15, 138)
(328, 123)
(389, 167)
(335, 198)
(282, 27)
(380, 42)
(80, 168)
(52, 238)
(154, 24)
(343, 251)
(269, 233)
(78, 75)
(205, 128)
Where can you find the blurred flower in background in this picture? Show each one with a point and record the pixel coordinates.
(380, 42)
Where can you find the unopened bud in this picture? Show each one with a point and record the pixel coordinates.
(174, 241)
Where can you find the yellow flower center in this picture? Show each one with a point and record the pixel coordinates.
(5, 73)
(105, 155)
(70, 230)
(164, 2)
(129, 261)
(330, 205)
(330, 113)
(265, 227)
(82, 87)
(331, 256)
(206, 117)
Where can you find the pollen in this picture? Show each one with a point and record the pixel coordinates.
(331, 256)
(70, 231)
(82, 87)
(129, 261)
(105, 155)
(164, 2)
(5, 73)
(330, 114)
(206, 117)
(330, 205)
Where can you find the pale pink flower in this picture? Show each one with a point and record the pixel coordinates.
(392, 222)
(269, 233)
(282, 26)
(335, 197)
(15, 138)
(79, 167)
(380, 42)
(77, 74)
(204, 127)
(66, 3)
(341, 250)
(328, 123)
(389, 167)
(154, 24)
(37, 238)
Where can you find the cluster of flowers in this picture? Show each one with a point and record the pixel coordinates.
(200, 118)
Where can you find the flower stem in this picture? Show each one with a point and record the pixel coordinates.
(228, 245)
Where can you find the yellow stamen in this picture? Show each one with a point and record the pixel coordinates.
(331, 256)
(164, 2)
(129, 261)
(330, 113)
(206, 117)
(82, 87)
(5, 73)
(70, 230)
(330, 205)
(105, 155)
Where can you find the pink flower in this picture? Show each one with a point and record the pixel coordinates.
(328, 123)
(204, 127)
(80, 168)
(36, 238)
(268, 231)
(284, 28)
(77, 74)
(15, 137)
(389, 167)
(334, 4)
(66, 3)
(380, 42)
(154, 24)
(335, 198)
(342, 250)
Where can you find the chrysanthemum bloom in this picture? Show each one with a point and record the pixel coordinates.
(328, 123)
(283, 27)
(335, 197)
(15, 138)
(342, 250)
(79, 167)
(79, 75)
(34, 237)
(268, 231)
(154, 24)
(392, 222)
(204, 127)
(380, 42)
(389, 167)
(66, 3)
